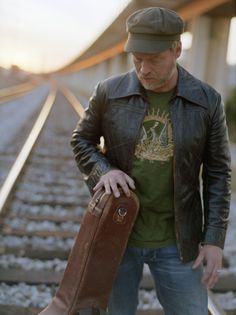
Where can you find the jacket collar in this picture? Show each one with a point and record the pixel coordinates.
(127, 85)
(188, 87)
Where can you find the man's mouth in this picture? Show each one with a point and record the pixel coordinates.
(146, 78)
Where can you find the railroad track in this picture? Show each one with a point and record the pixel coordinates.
(17, 118)
(41, 204)
(9, 93)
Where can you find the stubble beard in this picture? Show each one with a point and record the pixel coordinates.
(152, 86)
(157, 84)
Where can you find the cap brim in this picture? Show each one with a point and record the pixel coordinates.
(147, 46)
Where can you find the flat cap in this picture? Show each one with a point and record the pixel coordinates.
(152, 30)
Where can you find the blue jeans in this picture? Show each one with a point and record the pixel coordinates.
(178, 287)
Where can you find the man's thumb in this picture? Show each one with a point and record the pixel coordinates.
(198, 261)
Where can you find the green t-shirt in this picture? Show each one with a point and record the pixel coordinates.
(153, 174)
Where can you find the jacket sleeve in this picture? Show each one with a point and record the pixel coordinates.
(216, 178)
(86, 139)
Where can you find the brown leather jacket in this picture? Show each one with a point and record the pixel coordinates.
(116, 112)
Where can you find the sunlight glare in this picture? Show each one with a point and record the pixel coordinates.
(43, 36)
(186, 39)
(231, 52)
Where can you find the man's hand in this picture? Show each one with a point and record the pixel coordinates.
(114, 179)
(212, 256)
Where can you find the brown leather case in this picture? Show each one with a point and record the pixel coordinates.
(95, 256)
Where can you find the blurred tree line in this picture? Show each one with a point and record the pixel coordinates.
(230, 110)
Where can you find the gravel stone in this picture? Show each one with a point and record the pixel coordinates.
(26, 295)
(49, 243)
(11, 261)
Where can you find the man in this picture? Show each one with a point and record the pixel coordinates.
(160, 125)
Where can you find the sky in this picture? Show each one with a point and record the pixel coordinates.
(45, 35)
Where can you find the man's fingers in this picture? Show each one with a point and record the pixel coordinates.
(114, 179)
(115, 183)
(107, 187)
(206, 280)
(212, 256)
(211, 274)
(130, 181)
(124, 185)
(114, 187)
(103, 183)
(198, 261)
(210, 278)
(98, 186)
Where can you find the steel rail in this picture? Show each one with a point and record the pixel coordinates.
(213, 307)
(72, 100)
(11, 93)
(20, 161)
(9, 98)
(16, 89)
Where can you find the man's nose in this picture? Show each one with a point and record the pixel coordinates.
(144, 67)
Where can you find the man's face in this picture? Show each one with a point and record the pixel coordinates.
(156, 71)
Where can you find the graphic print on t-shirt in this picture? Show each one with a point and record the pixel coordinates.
(156, 139)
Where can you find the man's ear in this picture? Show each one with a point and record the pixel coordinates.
(178, 50)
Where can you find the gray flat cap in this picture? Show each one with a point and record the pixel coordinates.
(152, 30)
